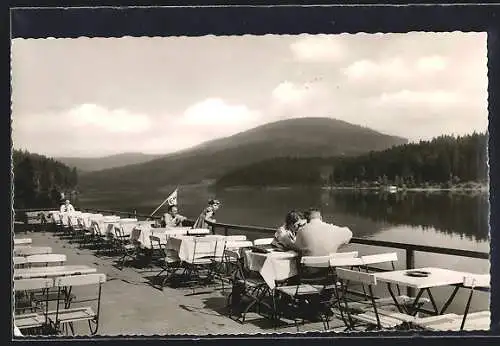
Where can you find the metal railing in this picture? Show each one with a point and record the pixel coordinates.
(410, 249)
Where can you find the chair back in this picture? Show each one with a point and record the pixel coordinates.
(350, 254)
(315, 261)
(19, 260)
(155, 242)
(356, 276)
(32, 284)
(80, 280)
(345, 262)
(477, 280)
(380, 258)
(32, 250)
(46, 258)
(263, 241)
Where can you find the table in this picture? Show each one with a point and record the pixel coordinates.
(21, 241)
(184, 247)
(55, 271)
(272, 266)
(438, 277)
(142, 233)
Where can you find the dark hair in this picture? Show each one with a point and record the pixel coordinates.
(213, 201)
(171, 206)
(291, 218)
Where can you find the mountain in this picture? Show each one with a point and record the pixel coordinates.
(89, 164)
(303, 137)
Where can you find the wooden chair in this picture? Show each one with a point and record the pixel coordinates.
(386, 258)
(32, 250)
(67, 316)
(33, 321)
(45, 260)
(245, 286)
(311, 293)
(125, 248)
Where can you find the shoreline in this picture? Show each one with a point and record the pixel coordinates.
(356, 188)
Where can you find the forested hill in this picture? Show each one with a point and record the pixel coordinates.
(304, 137)
(445, 160)
(39, 180)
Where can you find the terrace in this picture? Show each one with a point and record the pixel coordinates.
(132, 302)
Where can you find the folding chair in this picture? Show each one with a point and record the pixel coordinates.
(402, 300)
(373, 318)
(201, 259)
(67, 316)
(45, 260)
(33, 321)
(310, 294)
(124, 247)
(243, 287)
(227, 263)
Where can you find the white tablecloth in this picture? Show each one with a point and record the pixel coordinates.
(273, 266)
(141, 234)
(184, 247)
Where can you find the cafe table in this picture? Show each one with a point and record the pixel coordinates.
(273, 266)
(54, 271)
(423, 280)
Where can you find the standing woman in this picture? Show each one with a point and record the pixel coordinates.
(208, 214)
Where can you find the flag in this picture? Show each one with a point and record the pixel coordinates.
(172, 199)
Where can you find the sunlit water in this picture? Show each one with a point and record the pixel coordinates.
(449, 220)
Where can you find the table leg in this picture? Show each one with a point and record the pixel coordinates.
(415, 302)
(450, 300)
(433, 302)
(389, 287)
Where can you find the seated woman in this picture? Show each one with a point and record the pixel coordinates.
(172, 218)
(284, 238)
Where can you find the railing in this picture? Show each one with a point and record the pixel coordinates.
(410, 249)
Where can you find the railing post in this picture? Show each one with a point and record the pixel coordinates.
(225, 231)
(410, 264)
(213, 229)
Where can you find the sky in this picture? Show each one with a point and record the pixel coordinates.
(102, 96)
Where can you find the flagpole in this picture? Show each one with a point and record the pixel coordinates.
(161, 205)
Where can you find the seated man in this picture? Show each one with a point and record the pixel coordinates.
(318, 238)
(172, 218)
(67, 207)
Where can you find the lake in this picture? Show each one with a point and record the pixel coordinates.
(442, 219)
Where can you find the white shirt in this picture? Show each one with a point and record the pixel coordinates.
(318, 238)
(67, 208)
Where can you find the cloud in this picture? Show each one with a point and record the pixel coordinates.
(409, 98)
(318, 48)
(432, 63)
(394, 69)
(214, 111)
(288, 92)
(108, 120)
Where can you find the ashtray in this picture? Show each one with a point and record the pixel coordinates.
(418, 273)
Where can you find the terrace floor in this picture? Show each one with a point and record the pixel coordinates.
(130, 305)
